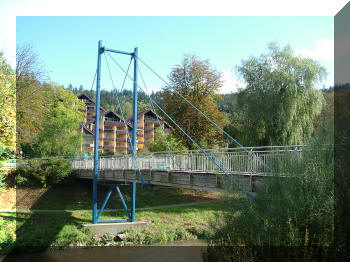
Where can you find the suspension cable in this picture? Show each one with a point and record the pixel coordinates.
(193, 141)
(249, 152)
(203, 151)
(163, 133)
(93, 82)
(122, 113)
(199, 111)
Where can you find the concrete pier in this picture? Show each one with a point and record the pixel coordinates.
(114, 228)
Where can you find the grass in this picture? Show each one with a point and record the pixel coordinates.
(78, 196)
(38, 231)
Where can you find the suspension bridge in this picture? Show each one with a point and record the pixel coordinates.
(242, 168)
(192, 169)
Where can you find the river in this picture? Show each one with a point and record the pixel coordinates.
(189, 250)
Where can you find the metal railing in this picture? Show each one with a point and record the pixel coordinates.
(232, 160)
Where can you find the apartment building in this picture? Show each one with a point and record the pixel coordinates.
(114, 132)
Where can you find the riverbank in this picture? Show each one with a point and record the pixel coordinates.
(172, 215)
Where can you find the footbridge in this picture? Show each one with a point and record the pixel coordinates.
(192, 169)
(242, 168)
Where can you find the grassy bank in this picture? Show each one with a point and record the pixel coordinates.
(78, 196)
(37, 231)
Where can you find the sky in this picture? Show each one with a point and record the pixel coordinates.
(67, 45)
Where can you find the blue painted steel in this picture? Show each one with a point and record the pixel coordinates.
(123, 201)
(118, 52)
(199, 111)
(95, 217)
(133, 208)
(134, 114)
(251, 196)
(97, 117)
(104, 203)
(134, 134)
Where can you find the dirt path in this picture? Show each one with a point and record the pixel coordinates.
(106, 210)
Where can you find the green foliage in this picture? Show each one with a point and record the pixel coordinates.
(280, 102)
(7, 235)
(30, 98)
(44, 172)
(59, 136)
(293, 211)
(159, 143)
(7, 109)
(197, 81)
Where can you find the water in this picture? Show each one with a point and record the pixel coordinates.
(190, 250)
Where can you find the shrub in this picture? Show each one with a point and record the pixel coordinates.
(294, 211)
(44, 172)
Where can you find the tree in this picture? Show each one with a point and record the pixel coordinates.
(279, 103)
(30, 100)
(59, 136)
(7, 108)
(197, 81)
(159, 143)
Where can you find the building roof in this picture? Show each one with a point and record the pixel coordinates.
(86, 130)
(112, 113)
(83, 96)
(151, 113)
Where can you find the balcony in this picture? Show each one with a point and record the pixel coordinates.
(149, 128)
(108, 139)
(108, 147)
(122, 131)
(121, 147)
(114, 123)
(155, 121)
(90, 117)
(148, 136)
(109, 131)
(122, 140)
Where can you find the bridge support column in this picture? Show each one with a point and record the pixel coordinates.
(134, 135)
(97, 120)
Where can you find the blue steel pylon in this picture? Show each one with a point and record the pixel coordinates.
(95, 216)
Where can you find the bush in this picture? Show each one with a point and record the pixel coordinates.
(44, 172)
(294, 211)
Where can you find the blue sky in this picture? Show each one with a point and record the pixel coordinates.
(67, 46)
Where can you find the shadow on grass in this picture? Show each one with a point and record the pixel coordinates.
(78, 196)
(39, 231)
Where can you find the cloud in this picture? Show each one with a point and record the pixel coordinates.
(323, 50)
(8, 38)
(230, 83)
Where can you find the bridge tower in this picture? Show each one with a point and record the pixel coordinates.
(95, 216)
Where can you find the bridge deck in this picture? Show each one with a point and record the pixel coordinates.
(178, 178)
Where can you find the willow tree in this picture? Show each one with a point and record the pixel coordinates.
(280, 101)
(198, 82)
